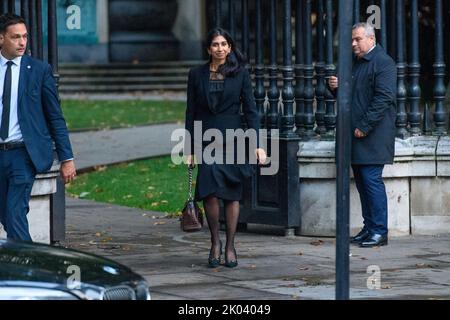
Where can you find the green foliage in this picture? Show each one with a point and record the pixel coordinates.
(155, 184)
(87, 114)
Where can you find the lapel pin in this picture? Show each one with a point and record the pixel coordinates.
(29, 67)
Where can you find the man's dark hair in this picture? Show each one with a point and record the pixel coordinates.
(9, 19)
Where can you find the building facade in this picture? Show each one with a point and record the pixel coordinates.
(130, 31)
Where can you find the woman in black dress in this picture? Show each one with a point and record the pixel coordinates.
(215, 93)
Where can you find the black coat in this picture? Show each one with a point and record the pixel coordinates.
(237, 90)
(374, 108)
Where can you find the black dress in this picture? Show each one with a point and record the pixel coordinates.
(216, 103)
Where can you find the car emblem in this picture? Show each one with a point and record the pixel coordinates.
(110, 270)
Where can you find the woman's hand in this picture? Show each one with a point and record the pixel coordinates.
(190, 160)
(261, 155)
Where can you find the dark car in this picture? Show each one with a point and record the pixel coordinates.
(37, 271)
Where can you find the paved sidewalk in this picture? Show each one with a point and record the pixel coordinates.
(271, 266)
(95, 148)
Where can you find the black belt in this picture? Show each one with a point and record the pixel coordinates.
(11, 145)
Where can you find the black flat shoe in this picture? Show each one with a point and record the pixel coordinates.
(375, 240)
(214, 262)
(232, 263)
(360, 237)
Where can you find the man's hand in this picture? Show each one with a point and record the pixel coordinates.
(68, 171)
(359, 134)
(261, 155)
(333, 82)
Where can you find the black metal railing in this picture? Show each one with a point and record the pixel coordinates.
(304, 95)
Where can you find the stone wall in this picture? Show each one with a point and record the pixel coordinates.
(417, 185)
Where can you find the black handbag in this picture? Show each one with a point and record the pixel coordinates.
(191, 215)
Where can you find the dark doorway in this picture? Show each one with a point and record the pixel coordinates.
(142, 30)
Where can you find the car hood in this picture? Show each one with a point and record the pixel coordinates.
(31, 262)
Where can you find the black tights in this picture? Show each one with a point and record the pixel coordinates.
(211, 205)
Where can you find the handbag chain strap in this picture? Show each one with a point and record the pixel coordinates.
(190, 168)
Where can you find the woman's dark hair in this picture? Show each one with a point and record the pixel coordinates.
(235, 61)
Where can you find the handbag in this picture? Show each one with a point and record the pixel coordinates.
(191, 216)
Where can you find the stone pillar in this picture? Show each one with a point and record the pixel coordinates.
(190, 28)
(430, 196)
(39, 215)
(417, 187)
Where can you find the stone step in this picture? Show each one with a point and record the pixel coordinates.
(124, 77)
(123, 80)
(109, 66)
(67, 73)
(81, 88)
(121, 77)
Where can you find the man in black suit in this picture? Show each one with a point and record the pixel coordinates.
(373, 128)
(31, 120)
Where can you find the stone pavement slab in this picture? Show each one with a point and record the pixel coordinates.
(271, 266)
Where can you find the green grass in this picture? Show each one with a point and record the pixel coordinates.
(86, 114)
(155, 184)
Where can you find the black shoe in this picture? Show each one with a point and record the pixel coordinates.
(375, 240)
(360, 237)
(212, 261)
(232, 263)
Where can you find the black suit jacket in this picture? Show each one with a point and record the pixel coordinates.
(237, 89)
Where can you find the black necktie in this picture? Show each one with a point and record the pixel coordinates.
(6, 100)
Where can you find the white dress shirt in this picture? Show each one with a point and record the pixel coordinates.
(15, 135)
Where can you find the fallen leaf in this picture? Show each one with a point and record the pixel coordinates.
(159, 223)
(316, 242)
(424, 265)
(386, 286)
